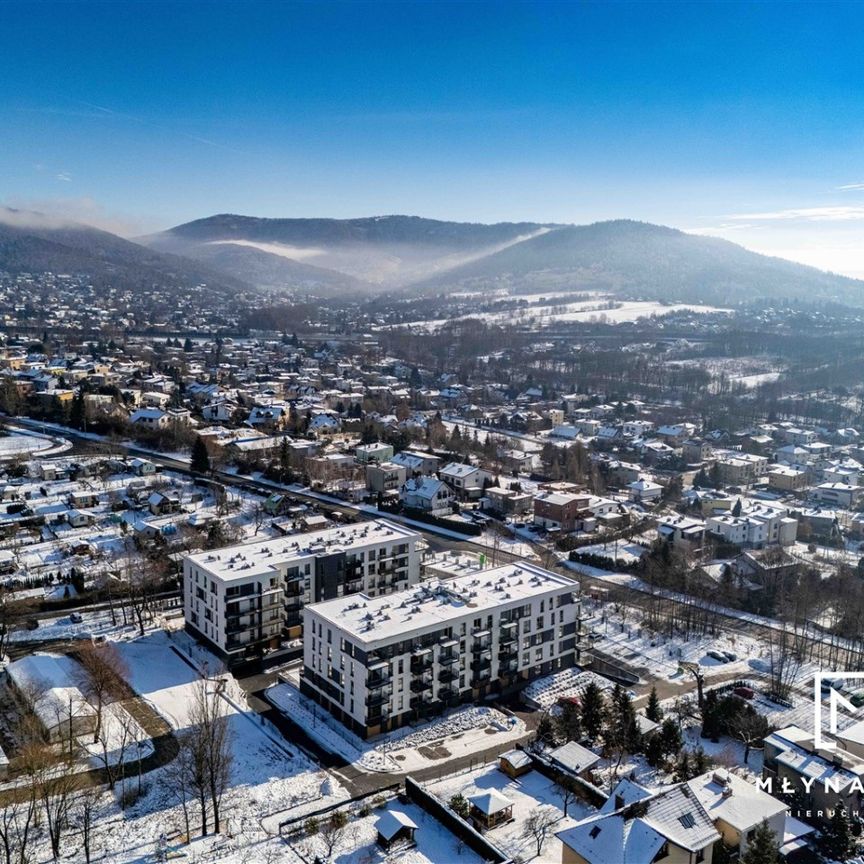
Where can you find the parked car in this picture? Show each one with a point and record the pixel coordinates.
(730, 656)
(744, 692)
(716, 655)
(76, 618)
(32, 624)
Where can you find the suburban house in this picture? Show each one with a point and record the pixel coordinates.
(384, 477)
(644, 491)
(824, 778)
(562, 511)
(467, 481)
(508, 502)
(428, 494)
(376, 452)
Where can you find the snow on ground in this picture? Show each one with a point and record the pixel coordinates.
(619, 553)
(122, 736)
(660, 654)
(265, 765)
(528, 793)
(567, 683)
(461, 732)
(434, 843)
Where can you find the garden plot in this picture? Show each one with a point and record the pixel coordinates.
(434, 843)
(568, 683)
(660, 654)
(528, 793)
(459, 733)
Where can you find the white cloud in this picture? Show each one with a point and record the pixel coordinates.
(805, 214)
(65, 176)
(851, 187)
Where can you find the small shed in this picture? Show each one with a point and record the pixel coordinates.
(490, 809)
(514, 763)
(573, 759)
(394, 826)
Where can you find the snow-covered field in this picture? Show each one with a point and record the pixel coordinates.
(458, 733)
(527, 794)
(542, 315)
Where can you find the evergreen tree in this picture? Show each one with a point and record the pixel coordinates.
(200, 457)
(762, 846)
(736, 510)
(837, 842)
(77, 416)
(593, 710)
(569, 723)
(653, 711)
(188, 347)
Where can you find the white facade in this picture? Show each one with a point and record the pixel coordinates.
(378, 663)
(245, 599)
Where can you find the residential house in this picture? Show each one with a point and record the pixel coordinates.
(429, 494)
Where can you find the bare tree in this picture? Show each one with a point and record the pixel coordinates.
(211, 748)
(18, 818)
(333, 829)
(538, 826)
(56, 791)
(83, 813)
(784, 660)
(565, 788)
(102, 678)
(178, 776)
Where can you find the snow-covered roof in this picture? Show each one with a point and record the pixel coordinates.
(491, 802)
(737, 802)
(392, 822)
(437, 602)
(52, 676)
(621, 837)
(253, 559)
(516, 758)
(574, 757)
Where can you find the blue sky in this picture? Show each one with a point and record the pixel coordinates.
(742, 120)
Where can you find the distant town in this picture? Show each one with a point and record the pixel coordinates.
(493, 592)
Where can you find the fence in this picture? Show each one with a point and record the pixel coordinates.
(472, 838)
(585, 790)
(298, 822)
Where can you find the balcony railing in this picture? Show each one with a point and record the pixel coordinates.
(445, 676)
(379, 697)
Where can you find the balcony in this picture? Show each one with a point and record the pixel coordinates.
(509, 667)
(448, 695)
(480, 681)
(481, 652)
(448, 658)
(445, 676)
(420, 685)
(508, 651)
(481, 664)
(420, 703)
(421, 662)
(379, 697)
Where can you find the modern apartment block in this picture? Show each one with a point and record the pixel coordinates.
(377, 663)
(243, 601)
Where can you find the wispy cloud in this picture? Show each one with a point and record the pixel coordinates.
(65, 176)
(805, 214)
(57, 212)
(851, 187)
(122, 115)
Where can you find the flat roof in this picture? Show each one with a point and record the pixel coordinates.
(438, 602)
(246, 560)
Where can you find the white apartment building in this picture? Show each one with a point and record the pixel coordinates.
(377, 663)
(244, 600)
